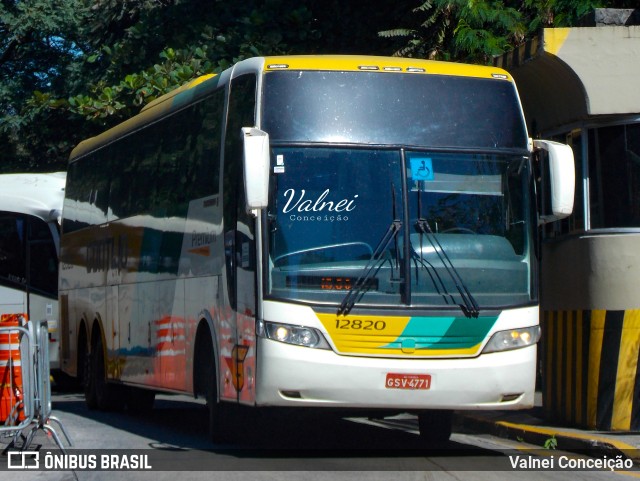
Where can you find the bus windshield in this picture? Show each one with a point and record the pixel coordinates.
(331, 208)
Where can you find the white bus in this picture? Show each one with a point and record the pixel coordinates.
(30, 212)
(311, 231)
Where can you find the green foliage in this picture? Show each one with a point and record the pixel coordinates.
(430, 34)
(38, 46)
(155, 34)
(558, 13)
(486, 29)
(137, 89)
(551, 443)
(465, 30)
(477, 30)
(71, 68)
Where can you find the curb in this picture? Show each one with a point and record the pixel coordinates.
(572, 441)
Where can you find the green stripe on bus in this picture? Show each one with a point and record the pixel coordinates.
(444, 332)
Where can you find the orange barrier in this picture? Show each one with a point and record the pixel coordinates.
(11, 385)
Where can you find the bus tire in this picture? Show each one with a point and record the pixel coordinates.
(216, 423)
(109, 397)
(435, 426)
(208, 382)
(84, 374)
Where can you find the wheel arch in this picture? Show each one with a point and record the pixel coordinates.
(205, 339)
(87, 332)
(95, 330)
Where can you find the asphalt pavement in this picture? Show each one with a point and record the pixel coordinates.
(531, 428)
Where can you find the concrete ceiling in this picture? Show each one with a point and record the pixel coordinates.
(570, 75)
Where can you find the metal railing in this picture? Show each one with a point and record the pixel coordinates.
(25, 390)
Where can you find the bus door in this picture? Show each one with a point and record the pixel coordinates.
(238, 355)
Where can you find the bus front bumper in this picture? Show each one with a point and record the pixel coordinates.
(290, 375)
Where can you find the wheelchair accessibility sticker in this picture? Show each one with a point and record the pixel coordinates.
(421, 168)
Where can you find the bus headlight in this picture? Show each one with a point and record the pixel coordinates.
(289, 334)
(513, 339)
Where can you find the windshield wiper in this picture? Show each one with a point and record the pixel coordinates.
(437, 281)
(375, 262)
(370, 270)
(469, 305)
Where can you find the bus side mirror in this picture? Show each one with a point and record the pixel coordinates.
(256, 167)
(560, 179)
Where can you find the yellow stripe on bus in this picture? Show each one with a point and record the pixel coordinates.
(373, 334)
(383, 64)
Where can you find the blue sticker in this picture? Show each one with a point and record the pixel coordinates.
(421, 168)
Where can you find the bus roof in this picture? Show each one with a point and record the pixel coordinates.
(40, 195)
(356, 63)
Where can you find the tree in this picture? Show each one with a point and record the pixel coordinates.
(38, 47)
(104, 59)
(72, 68)
(477, 30)
(212, 40)
(174, 42)
(464, 30)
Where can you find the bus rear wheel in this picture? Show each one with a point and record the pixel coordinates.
(107, 397)
(85, 373)
(435, 426)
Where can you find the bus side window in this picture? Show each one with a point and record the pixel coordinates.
(43, 270)
(11, 247)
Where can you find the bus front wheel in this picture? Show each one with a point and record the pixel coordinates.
(216, 416)
(207, 383)
(435, 426)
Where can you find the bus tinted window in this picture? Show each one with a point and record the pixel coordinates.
(12, 265)
(153, 171)
(27, 253)
(401, 109)
(43, 260)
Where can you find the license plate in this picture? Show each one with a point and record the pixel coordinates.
(408, 381)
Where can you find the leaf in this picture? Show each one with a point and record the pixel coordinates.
(397, 32)
(551, 443)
